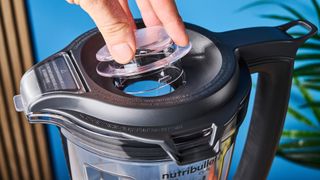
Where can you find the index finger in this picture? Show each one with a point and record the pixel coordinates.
(114, 25)
(167, 12)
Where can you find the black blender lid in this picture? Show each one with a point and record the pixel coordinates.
(201, 75)
(211, 76)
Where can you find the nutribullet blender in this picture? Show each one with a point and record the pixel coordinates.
(172, 112)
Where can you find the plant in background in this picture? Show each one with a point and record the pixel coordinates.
(301, 145)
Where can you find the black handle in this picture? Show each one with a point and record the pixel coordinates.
(270, 52)
(306, 24)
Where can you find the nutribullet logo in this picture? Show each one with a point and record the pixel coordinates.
(189, 170)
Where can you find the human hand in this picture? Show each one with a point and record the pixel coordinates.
(115, 22)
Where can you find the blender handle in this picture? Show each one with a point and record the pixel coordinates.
(306, 24)
(270, 52)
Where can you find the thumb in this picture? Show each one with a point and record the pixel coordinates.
(114, 26)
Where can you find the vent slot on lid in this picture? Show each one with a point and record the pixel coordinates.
(200, 138)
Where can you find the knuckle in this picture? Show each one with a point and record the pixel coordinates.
(115, 28)
(172, 21)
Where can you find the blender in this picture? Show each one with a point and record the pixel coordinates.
(172, 112)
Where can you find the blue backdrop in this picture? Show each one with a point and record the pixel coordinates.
(55, 24)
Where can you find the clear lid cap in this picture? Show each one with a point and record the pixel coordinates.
(155, 50)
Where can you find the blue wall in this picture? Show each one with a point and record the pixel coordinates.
(55, 24)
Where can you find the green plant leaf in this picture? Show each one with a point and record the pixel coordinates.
(292, 11)
(300, 144)
(299, 117)
(311, 159)
(277, 17)
(310, 45)
(303, 134)
(312, 69)
(312, 80)
(312, 86)
(315, 104)
(317, 8)
(310, 56)
(308, 98)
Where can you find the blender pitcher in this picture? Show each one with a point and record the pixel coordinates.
(172, 112)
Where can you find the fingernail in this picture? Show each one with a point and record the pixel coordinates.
(122, 52)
